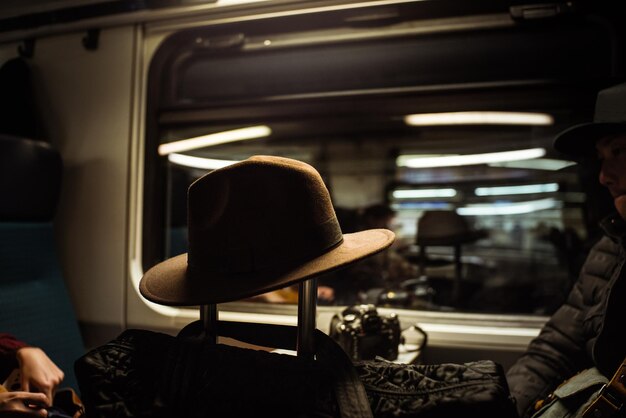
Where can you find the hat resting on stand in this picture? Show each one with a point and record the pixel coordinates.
(257, 226)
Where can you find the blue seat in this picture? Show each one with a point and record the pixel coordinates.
(35, 305)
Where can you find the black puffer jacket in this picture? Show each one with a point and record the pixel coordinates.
(582, 333)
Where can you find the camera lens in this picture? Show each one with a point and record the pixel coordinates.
(371, 323)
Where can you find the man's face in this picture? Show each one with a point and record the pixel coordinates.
(612, 155)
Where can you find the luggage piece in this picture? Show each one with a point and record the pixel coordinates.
(147, 374)
(143, 374)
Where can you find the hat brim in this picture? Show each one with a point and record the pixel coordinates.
(167, 282)
(579, 141)
(458, 239)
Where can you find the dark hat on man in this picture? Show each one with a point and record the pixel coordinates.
(609, 119)
(257, 226)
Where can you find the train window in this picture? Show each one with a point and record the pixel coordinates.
(438, 129)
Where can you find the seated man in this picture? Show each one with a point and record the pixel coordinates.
(586, 331)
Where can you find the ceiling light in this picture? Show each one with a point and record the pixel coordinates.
(199, 162)
(537, 164)
(218, 138)
(509, 190)
(508, 208)
(421, 206)
(420, 161)
(479, 118)
(423, 193)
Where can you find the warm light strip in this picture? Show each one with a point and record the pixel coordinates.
(509, 190)
(423, 193)
(479, 118)
(538, 164)
(218, 138)
(199, 162)
(417, 161)
(508, 208)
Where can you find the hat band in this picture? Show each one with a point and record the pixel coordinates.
(241, 257)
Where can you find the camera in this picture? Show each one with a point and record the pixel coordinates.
(364, 334)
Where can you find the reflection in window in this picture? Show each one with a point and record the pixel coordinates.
(412, 129)
(498, 234)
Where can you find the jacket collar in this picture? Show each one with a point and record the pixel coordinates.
(615, 227)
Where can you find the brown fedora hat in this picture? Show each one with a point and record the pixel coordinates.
(609, 119)
(445, 227)
(257, 226)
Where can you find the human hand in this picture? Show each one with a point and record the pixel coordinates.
(38, 372)
(22, 404)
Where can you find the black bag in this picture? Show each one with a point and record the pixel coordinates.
(147, 374)
(122, 377)
(476, 389)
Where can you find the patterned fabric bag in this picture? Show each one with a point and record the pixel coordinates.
(476, 389)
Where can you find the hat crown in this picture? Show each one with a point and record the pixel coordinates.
(263, 214)
(611, 105)
(609, 119)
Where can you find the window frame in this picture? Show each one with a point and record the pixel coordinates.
(154, 176)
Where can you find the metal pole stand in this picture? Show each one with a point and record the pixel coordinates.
(209, 316)
(458, 276)
(307, 303)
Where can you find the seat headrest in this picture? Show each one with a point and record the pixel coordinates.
(30, 180)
